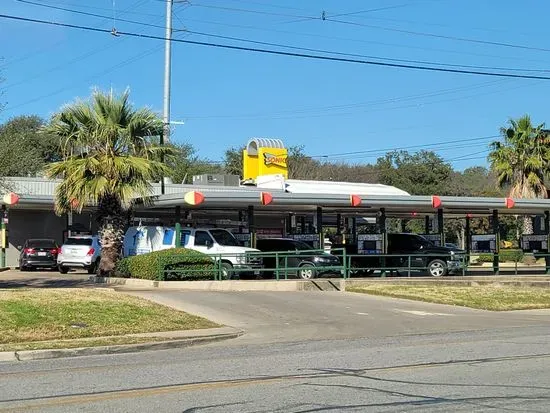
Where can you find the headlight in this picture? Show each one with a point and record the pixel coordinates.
(241, 259)
(452, 253)
(322, 259)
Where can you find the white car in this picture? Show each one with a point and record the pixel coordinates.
(83, 251)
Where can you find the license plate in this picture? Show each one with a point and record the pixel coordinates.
(257, 272)
(41, 254)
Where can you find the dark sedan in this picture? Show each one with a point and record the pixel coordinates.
(307, 263)
(38, 253)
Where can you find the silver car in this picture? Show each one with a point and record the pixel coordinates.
(79, 252)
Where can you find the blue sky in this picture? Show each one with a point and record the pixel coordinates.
(226, 97)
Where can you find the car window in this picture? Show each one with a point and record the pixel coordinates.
(79, 241)
(41, 243)
(225, 238)
(202, 238)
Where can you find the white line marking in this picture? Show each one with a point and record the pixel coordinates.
(362, 313)
(422, 313)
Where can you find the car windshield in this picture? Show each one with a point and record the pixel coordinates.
(41, 243)
(79, 241)
(224, 237)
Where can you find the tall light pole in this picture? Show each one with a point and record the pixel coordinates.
(167, 72)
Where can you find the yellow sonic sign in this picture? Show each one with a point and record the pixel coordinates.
(278, 160)
(264, 156)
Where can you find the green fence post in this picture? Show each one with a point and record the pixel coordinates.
(286, 267)
(344, 262)
(277, 266)
(409, 266)
(496, 231)
(219, 275)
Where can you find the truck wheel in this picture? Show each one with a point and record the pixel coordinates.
(437, 268)
(226, 270)
(307, 272)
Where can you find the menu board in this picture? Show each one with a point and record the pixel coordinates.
(243, 238)
(310, 239)
(484, 243)
(534, 243)
(370, 244)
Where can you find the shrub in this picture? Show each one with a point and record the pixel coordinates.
(511, 256)
(485, 258)
(172, 265)
(122, 268)
(503, 256)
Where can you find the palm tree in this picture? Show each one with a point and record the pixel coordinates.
(110, 157)
(521, 161)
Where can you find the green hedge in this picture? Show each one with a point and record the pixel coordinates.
(176, 264)
(503, 256)
(122, 268)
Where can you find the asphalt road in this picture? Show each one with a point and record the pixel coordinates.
(309, 352)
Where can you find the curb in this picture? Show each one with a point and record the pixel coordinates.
(116, 349)
(133, 284)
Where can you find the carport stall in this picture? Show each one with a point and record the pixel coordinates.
(259, 203)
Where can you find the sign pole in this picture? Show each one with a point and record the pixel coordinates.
(3, 231)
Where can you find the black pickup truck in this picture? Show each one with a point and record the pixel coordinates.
(438, 261)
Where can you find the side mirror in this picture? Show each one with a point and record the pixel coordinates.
(19, 247)
(209, 244)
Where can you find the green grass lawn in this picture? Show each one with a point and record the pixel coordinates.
(494, 298)
(42, 315)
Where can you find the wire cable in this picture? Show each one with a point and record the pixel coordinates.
(289, 46)
(279, 52)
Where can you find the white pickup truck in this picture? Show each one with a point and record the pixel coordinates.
(217, 242)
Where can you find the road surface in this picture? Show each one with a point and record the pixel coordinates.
(309, 352)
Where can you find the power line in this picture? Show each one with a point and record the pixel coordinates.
(352, 105)
(413, 105)
(440, 36)
(279, 52)
(431, 145)
(289, 46)
(325, 17)
(43, 50)
(131, 59)
(431, 49)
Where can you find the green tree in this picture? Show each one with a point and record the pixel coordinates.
(185, 163)
(233, 161)
(421, 173)
(40, 148)
(110, 156)
(521, 161)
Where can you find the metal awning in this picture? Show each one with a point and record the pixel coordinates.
(241, 198)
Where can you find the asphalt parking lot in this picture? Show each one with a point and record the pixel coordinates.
(43, 279)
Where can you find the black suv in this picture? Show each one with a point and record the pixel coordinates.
(38, 253)
(309, 262)
(424, 255)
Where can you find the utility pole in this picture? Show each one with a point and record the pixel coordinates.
(165, 136)
(167, 72)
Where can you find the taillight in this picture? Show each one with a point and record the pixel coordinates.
(55, 251)
(91, 252)
(28, 250)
